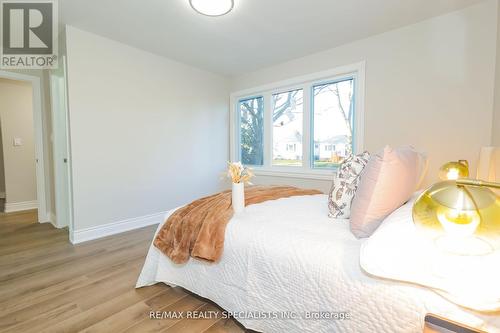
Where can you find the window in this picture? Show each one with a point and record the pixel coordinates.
(299, 126)
(287, 128)
(252, 131)
(333, 122)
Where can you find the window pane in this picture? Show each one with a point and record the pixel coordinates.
(252, 131)
(287, 128)
(333, 123)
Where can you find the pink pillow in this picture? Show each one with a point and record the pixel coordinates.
(387, 182)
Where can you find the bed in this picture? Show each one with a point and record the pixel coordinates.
(286, 258)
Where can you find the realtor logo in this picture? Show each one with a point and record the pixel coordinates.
(28, 37)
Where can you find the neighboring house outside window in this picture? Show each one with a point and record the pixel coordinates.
(312, 126)
(291, 147)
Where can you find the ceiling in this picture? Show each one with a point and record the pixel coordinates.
(256, 34)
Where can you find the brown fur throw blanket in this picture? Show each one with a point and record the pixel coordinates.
(198, 229)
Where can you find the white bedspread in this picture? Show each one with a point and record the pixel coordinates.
(288, 256)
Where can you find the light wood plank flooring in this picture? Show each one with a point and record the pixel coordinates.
(49, 285)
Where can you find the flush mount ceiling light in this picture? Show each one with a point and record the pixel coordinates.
(212, 7)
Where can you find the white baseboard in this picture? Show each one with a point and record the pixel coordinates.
(2, 195)
(44, 219)
(53, 220)
(113, 228)
(20, 206)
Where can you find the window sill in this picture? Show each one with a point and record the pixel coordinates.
(289, 173)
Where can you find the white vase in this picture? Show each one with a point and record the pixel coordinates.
(238, 197)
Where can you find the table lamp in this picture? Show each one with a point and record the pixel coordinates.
(454, 170)
(461, 215)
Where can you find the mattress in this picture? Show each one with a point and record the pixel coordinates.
(287, 267)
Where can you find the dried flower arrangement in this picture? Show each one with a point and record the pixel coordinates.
(238, 173)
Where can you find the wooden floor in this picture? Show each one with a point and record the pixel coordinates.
(49, 285)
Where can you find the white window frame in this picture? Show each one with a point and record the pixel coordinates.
(305, 82)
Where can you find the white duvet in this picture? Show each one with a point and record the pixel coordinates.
(286, 257)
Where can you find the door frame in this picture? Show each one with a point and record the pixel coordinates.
(40, 141)
(55, 79)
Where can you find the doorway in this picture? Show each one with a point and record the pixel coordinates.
(23, 144)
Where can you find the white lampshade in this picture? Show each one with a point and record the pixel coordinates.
(489, 165)
(212, 7)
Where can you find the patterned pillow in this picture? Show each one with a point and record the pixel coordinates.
(345, 184)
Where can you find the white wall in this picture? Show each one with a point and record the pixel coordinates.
(147, 133)
(429, 84)
(495, 129)
(16, 114)
(2, 168)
